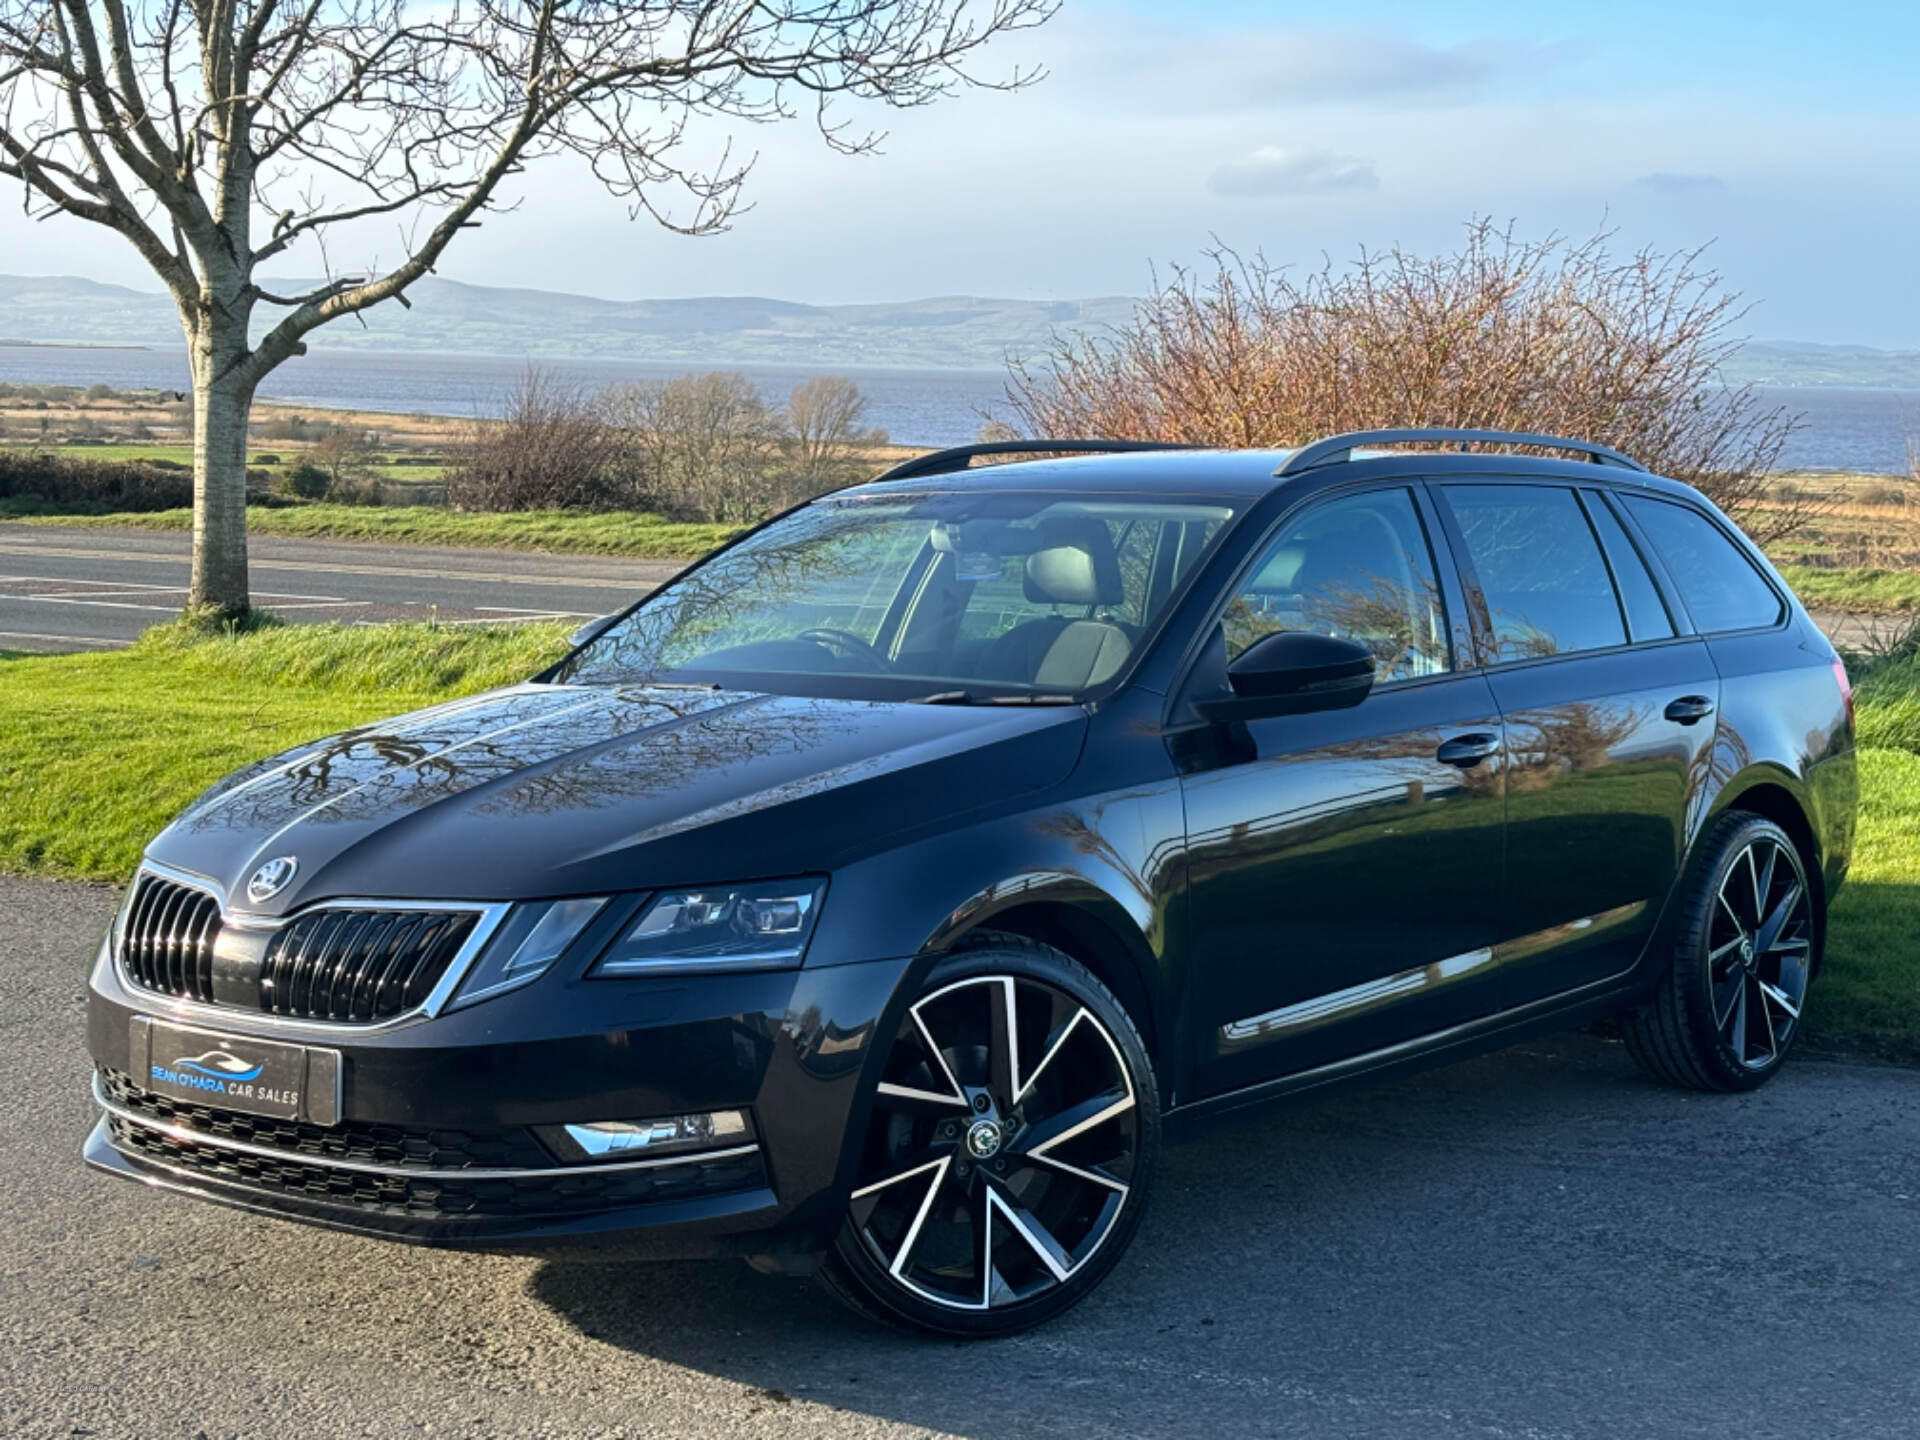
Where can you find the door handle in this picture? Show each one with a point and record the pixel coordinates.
(1689, 709)
(1466, 751)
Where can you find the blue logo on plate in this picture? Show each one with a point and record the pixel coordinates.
(210, 1071)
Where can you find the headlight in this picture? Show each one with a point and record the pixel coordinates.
(763, 926)
(525, 947)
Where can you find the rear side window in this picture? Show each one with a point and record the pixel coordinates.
(1539, 566)
(1722, 588)
(1647, 614)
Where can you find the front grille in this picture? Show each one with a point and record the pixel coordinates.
(167, 945)
(303, 1173)
(504, 1147)
(360, 965)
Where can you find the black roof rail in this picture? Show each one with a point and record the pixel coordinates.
(1338, 449)
(959, 457)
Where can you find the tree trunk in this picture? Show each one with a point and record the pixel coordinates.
(222, 405)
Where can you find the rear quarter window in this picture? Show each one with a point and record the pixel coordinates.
(1721, 587)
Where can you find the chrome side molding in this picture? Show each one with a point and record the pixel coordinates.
(1355, 1000)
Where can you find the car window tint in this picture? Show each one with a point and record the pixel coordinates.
(1722, 588)
(1539, 566)
(1359, 568)
(1647, 616)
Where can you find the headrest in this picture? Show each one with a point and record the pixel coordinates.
(1075, 564)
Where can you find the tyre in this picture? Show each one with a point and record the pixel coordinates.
(1728, 1010)
(1009, 1151)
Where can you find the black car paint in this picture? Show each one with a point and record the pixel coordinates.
(1126, 830)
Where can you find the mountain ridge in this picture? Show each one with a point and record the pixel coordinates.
(962, 332)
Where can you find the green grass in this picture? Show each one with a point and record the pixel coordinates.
(98, 752)
(1868, 994)
(618, 532)
(1865, 590)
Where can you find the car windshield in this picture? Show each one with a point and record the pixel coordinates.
(963, 598)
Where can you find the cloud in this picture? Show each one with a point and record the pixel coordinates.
(1277, 68)
(1666, 182)
(1271, 170)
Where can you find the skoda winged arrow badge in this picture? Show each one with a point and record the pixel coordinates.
(271, 878)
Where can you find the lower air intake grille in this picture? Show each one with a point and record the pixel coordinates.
(360, 965)
(167, 943)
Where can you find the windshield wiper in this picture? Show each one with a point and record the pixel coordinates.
(972, 697)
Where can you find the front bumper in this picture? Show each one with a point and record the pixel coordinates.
(436, 1143)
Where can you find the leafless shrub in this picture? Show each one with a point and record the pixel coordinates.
(553, 449)
(1546, 336)
(704, 446)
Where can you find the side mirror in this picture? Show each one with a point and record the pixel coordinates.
(1292, 673)
(592, 630)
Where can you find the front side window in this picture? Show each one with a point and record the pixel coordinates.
(1358, 568)
(1721, 587)
(1539, 566)
(900, 596)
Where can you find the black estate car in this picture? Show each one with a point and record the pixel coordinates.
(867, 898)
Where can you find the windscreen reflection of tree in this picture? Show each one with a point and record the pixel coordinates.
(1396, 618)
(740, 596)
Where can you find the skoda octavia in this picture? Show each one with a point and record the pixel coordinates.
(866, 900)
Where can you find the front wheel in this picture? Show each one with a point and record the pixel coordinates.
(1729, 1009)
(1008, 1154)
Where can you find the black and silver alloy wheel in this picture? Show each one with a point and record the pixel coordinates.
(1729, 1010)
(1760, 951)
(1005, 1160)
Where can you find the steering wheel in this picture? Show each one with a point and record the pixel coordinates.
(844, 640)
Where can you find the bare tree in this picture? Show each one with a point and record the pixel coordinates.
(217, 135)
(1501, 334)
(705, 445)
(823, 415)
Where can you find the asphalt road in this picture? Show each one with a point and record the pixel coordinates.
(1535, 1244)
(72, 589)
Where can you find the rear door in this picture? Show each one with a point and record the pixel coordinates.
(1609, 707)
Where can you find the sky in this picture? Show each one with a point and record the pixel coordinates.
(1785, 135)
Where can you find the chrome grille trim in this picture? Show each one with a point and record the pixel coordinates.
(191, 1009)
(164, 940)
(186, 1134)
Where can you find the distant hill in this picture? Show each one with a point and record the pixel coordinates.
(945, 332)
(962, 332)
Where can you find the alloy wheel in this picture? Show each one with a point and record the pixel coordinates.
(1000, 1153)
(1759, 951)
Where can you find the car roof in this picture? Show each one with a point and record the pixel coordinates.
(1241, 473)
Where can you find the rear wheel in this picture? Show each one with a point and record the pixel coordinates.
(1729, 1009)
(1007, 1158)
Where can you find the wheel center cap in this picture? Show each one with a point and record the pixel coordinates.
(983, 1139)
(1746, 953)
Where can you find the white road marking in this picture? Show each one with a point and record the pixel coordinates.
(65, 639)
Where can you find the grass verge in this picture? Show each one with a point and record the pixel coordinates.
(617, 532)
(98, 752)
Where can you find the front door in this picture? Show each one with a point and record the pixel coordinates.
(1344, 868)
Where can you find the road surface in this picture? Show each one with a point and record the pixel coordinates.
(74, 589)
(1537, 1244)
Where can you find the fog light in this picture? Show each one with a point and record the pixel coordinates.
(638, 1139)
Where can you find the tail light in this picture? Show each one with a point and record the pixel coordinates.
(1846, 690)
